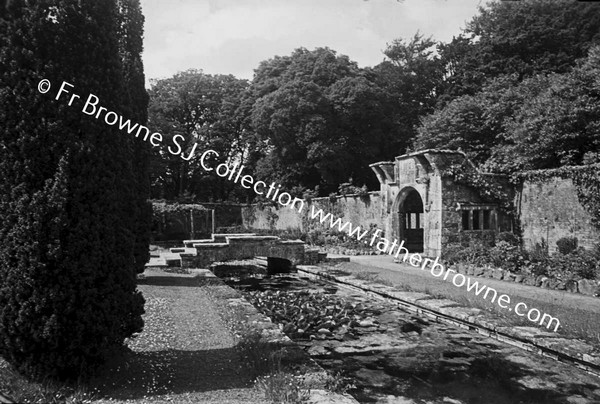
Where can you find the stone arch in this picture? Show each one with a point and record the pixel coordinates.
(409, 213)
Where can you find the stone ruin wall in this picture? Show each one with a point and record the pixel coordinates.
(359, 210)
(549, 210)
(546, 209)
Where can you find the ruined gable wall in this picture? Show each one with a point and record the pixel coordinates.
(550, 209)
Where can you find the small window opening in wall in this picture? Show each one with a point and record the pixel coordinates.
(465, 219)
(476, 220)
(486, 220)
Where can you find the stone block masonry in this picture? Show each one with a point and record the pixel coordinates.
(360, 210)
(244, 247)
(549, 209)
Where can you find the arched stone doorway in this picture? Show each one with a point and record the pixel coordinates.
(411, 220)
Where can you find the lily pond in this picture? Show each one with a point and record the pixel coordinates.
(381, 353)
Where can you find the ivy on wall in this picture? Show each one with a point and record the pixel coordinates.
(161, 208)
(585, 178)
(488, 188)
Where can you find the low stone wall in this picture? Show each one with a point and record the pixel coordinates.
(584, 286)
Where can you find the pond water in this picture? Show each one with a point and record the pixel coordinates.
(383, 354)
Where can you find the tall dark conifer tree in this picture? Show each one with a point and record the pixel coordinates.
(70, 195)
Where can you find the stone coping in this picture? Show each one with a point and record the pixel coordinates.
(251, 238)
(550, 344)
(215, 235)
(205, 246)
(292, 242)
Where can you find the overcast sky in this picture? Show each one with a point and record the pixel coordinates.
(233, 36)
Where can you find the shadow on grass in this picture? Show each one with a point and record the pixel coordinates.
(136, 375)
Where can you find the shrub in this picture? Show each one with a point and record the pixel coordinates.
(538, 268)
(539, 252)
(454, 254)
(70, 241)
(584, 264)
(508, 237)
(507, 256)
(566, 245)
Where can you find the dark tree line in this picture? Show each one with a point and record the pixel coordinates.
(521, 90)
(515, 90)
(74, 217)
(309, 121)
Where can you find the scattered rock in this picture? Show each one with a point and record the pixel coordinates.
(556, 284)
(519, 279)
(318, 350)
(537, 383)
(539, 280)
(595, 359)
(409, 327)
(451, 401)
(578, 400)
(319, 396)
(572, 286)
(498, 274)
(587, 287)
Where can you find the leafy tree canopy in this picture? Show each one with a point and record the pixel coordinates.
(194, 108)
(320, 120)
(520, 37)
(545, 121)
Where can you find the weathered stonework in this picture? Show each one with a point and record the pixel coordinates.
(239, 248)
(549, 210)
(422, 175)
(420, 203)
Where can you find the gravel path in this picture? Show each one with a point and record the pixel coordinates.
(186, 353)
(579, 314)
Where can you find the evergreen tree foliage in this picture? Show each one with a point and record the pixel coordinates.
(70, 196)
(131, 30)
